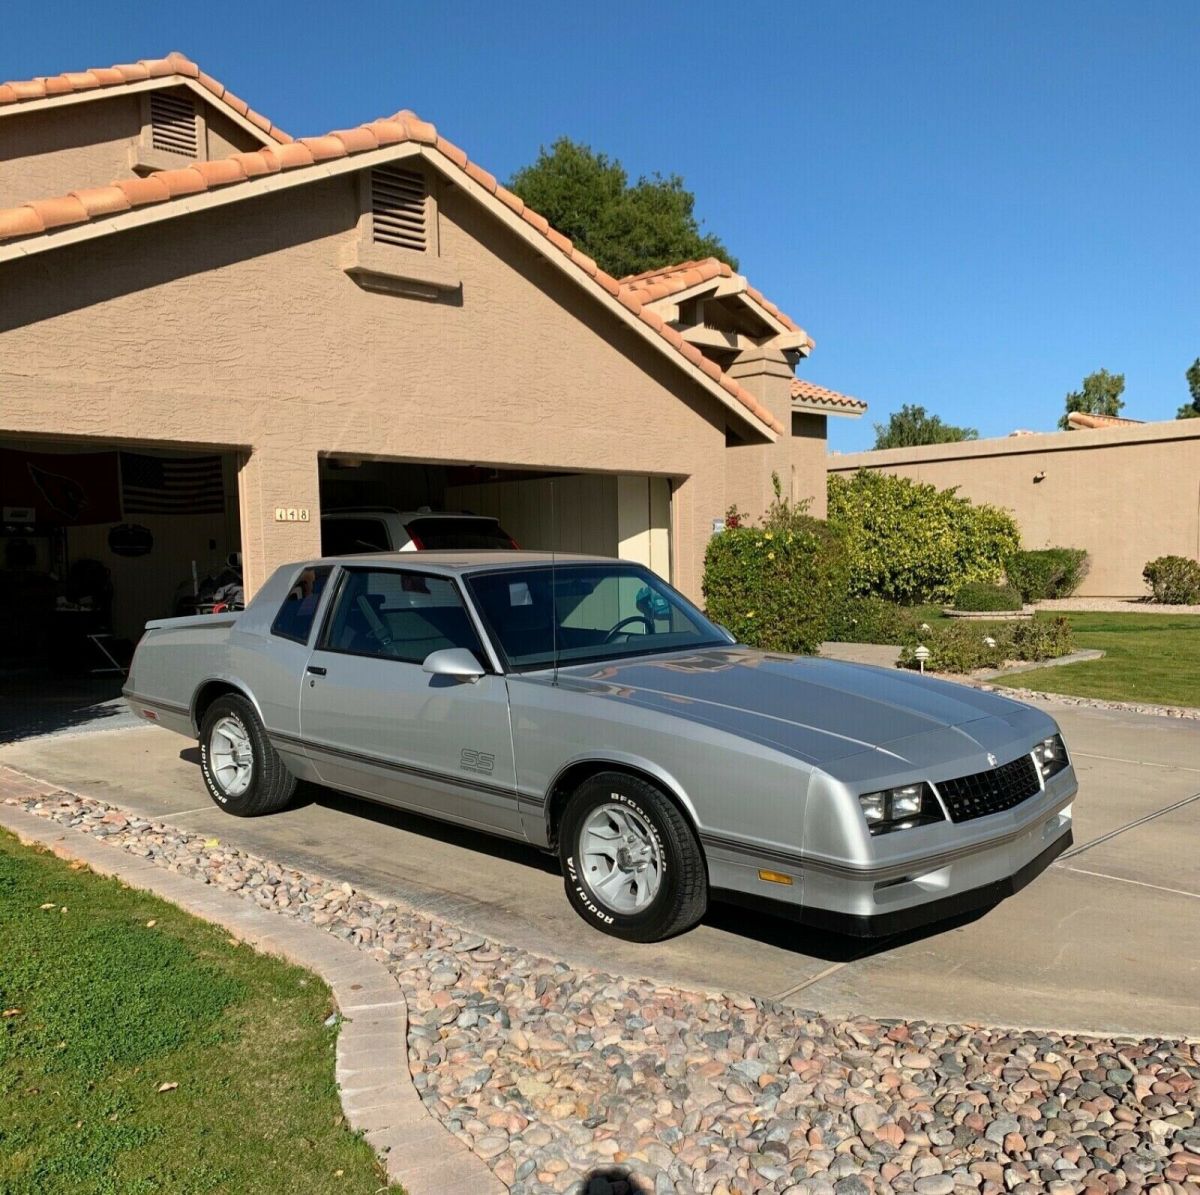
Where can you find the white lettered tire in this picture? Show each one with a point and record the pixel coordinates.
(631, 863)
(242, 771)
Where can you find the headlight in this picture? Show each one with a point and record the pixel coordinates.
(900, 808)
(1050, 755)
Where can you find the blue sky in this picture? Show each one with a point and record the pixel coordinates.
(968, 206)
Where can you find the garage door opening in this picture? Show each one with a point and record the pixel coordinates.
(402, 506)
(97, 538)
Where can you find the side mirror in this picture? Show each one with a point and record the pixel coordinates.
(454, 662)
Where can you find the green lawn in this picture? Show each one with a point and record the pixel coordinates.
(108, 994)
(1153, 658)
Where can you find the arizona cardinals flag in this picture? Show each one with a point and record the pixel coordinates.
(63, 488)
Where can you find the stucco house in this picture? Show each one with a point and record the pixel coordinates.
(211, 331)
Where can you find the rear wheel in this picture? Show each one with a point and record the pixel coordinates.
(631, 863)
(242, 771)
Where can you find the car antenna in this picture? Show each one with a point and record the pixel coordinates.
(553, 581)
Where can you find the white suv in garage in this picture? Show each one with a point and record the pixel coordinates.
(380, 529)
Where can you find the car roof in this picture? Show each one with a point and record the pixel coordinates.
(479, 559)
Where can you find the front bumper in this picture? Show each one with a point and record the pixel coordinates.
(901, 920)
(955, 869)
(994, 857)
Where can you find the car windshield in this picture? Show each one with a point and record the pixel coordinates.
(601, 612)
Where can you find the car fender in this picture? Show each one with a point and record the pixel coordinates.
(233, 682)
(619, 760)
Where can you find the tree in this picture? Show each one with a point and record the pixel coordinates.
(910, 426)
(1101, 395)
(627, 227)
(1191, 410)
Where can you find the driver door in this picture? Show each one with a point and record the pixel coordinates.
(376, 723)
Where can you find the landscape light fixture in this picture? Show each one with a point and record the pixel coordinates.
(921, 655)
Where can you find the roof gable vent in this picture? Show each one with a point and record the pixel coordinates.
(173, 123)
(399, 208)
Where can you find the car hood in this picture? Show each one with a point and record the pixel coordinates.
(821, 710)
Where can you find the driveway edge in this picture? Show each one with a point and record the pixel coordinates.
(374, 1082)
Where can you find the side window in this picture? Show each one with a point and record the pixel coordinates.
(399, 616)
(295, 617)
(348, 537)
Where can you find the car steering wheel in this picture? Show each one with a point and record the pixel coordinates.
(616, 629)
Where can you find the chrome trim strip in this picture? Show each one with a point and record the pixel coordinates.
(167, 707)
(390, 765)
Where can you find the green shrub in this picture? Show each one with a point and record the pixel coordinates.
(778, 585)
(1174, 580)
(964, 647)
(1044, 573)
(873, 620)
(910, 542)
(1041, 639)
(980, 595)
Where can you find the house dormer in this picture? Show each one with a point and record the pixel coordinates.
(86, 128)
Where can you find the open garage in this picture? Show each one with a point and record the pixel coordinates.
(98, 537)
(607, 514)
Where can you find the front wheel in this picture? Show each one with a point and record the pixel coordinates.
(242, 771)
(631, 863)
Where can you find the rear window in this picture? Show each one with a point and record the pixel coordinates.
(458, 534)
(347, 537)
(295, 617)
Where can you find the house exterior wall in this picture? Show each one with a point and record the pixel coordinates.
(767, 374)
(224, 136)
(48, 152)
(238, 328)
(807, 443)
(1127, 495)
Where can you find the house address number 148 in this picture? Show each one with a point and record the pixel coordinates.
(291, 514)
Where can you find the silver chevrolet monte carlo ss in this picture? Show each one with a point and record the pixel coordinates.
(584, 706)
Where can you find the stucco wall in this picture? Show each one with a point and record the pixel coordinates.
(1126, 495)
(51, 152)
(808, 446)
(223, 135)
(239, 327)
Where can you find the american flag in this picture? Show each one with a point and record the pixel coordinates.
(157, 485)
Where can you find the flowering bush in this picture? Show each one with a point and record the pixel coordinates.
(776, 586)
(911, 542)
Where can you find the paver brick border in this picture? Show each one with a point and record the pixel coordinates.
(374, 1082)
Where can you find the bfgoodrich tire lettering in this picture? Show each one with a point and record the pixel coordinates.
(229, 733)
(656, 841)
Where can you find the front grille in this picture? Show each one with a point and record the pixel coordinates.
(994, 791)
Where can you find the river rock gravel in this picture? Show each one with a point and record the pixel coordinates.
(553, 1073)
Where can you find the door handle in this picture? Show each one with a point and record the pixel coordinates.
(316, 670)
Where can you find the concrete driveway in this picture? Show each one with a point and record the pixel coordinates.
(1108, 939)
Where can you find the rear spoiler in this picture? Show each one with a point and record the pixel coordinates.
(193, 620)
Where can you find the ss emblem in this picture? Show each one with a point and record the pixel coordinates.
(477, 761)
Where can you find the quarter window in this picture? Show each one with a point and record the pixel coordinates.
(400, 616)
(295, 617)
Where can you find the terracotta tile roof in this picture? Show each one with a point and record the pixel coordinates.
(84, 205)
(808, 392)
(69, 82)
(670, 280)
(1082, 419)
